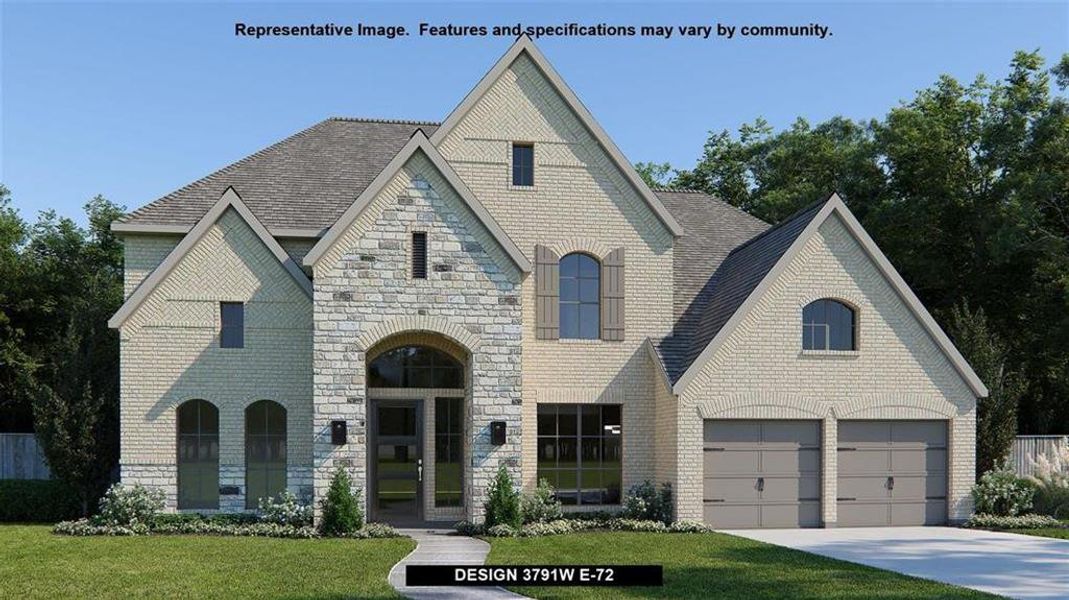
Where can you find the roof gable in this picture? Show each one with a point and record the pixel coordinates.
(524, 46)
(418, 143)
(229, 199)
(751, 269)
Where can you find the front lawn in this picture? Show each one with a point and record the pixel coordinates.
(1061, 533)
(713, 565)
(37, 564)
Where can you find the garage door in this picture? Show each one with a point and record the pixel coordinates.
(762, 474)
(892, 473)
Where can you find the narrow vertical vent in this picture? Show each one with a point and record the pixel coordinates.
(419, 255)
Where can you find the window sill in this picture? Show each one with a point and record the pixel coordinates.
(522, 188)
(845, 354)
(581, 341)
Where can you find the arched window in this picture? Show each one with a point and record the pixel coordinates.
(198, 455)
(415, 366)
(828, 325)
(580, 297)
(265, 451)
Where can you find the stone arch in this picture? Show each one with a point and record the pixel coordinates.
(593, 248)
(419, 323)
(897, 406)
(762, 406)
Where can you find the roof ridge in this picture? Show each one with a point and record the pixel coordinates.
(660, 188)
(777, 226)
(224, 170)
(385, 121)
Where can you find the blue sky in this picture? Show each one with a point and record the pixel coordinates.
(134, 100)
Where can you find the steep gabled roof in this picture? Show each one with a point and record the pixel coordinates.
(296, 187)
(524, 45)
(753, 267)
(230, 199)
(418, 143)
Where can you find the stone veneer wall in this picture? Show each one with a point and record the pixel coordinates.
(169, 353)
(364, 294)
(761, 371)
(580, 203)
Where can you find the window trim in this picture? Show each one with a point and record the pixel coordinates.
(233, 329)
(512, 165)
(855, 329)
(578, 437)
(561, 303)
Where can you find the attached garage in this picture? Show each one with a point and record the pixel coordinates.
(892, 473)
(761, 473)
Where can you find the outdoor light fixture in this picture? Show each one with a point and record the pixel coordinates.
(338, 433)
(497, 432)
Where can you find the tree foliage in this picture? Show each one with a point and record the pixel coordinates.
(966, 189)
(59, 368)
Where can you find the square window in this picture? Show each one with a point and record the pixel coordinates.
(523, 165)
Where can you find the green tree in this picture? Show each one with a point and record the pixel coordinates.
(996, 415)
(342, 513)
(654, 174)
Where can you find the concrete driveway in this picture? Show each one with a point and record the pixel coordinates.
(1017, 566)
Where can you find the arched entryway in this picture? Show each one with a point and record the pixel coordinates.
(416, 388)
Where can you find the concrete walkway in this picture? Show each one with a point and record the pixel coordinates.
(443, 546)
(1017, 566)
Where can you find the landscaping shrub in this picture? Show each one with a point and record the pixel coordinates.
(1029, 521)
(501, 530)
(503, 502)
(577, 525)
(212, 525)
(37, 500)
(689, 527)
(541, 506)
(285, 509)
(342, 513)
(129, 505)
(1051, 480)
(1000, 492)
(644, 502)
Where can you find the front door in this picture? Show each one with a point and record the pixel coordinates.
(396, 460)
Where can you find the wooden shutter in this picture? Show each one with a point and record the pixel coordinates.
(547, 294)
(612, 296)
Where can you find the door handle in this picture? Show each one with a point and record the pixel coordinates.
(890, 483)
(760, 484)
(419, 469)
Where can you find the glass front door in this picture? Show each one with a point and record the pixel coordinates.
(397, 460)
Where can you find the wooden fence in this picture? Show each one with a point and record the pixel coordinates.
(1027, 448)
(21, 457)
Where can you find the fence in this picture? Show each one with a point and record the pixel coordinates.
(21, 457)
(1027, 448)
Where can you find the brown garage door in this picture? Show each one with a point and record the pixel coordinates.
(762, 473)
(892, 473)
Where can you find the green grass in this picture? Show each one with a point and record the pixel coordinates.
(1050, 532)
(37, 564)
(714, 565)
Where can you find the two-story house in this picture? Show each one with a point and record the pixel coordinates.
(419, 303)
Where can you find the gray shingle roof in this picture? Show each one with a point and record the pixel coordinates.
(732, 278)
(305, 181)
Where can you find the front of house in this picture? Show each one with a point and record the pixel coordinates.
(419, 303)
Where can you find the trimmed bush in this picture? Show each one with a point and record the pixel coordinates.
(576, 525)
(212, 525)
(342, 513)
(1000, 492)
(285, 509)
(503, 502)
(1029, 521)
(37, 501)
(501, 530)
(644, 502)
(689, 527)
(129, 505)
(541, 506)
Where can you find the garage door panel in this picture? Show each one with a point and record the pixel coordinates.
(732, 489)
(861, 460)
(731, 461)
(790, 489)
(863, 487)
(931, 433)
(791, 433)
(790, 461)
(918, 460)
(729, 516)
(805, 514)
(863, 514)
(864, 432)
(726, 432)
